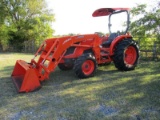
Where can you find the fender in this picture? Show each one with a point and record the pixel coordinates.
(116, 41)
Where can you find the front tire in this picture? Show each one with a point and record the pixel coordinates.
(85, 66)
(126, 55)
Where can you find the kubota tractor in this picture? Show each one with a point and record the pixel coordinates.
(82, 53)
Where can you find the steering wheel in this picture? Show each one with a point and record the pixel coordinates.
(118, 33)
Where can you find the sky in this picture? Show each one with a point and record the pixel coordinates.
(75, 16)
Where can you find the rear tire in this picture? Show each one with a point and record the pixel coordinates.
(126, 55)
(85, 66)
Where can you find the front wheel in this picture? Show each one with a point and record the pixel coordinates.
(85, 66)
(126, 55)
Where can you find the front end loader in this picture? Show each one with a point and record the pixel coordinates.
(82, 53)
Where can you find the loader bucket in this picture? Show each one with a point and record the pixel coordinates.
(25, 77)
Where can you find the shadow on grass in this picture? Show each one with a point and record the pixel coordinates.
(111, 94)
(6, 85)
(132, 94)
(6, 71)
(138, 95)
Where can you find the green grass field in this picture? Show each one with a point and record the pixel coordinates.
(110, 95)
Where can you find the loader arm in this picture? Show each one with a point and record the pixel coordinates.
(55, 50)
(27, 76)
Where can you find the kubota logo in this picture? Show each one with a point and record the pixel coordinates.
(80, 36)
(66, 40)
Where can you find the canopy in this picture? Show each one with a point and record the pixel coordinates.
(106, 11)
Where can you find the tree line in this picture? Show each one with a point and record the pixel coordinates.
(24, 20)
(145, 23)
(30, 20)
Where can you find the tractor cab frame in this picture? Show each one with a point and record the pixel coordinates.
(110, 12)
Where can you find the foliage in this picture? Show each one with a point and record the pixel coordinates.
(146, 24)
(3, 36)
(25, 20)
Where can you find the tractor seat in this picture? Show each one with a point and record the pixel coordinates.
(111, 37)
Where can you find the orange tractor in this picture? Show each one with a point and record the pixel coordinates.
(82, 53)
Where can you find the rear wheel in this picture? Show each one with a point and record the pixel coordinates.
(85, 66)
(126, 55)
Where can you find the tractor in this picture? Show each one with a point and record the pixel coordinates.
(82, 53)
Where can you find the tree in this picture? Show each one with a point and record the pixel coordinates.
(25, 20)
(146, 23)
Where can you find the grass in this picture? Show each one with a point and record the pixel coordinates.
(110, 95)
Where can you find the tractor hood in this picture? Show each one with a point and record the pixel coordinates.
(106, 11)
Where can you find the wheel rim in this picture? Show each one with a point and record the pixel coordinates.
(130, 55)
(88, 67)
